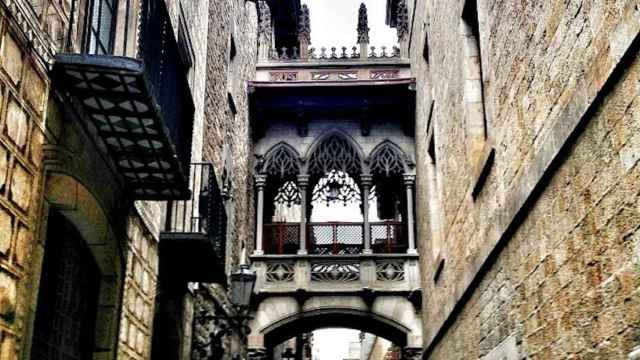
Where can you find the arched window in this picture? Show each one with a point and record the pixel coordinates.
(473, 87)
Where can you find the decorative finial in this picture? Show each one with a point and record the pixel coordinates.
(402, 23)
(264, 25)
(304, 25)
(363, 25)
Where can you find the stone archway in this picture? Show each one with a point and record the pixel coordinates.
(71, 200)
(279, 318)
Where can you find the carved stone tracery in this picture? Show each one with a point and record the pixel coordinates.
(387, 161)
(335, 153)
(281, 161)
(335, 271)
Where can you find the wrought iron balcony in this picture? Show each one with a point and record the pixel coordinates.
(193, 246)
(335, 238)
(139, 104)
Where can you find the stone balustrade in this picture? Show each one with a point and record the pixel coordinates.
(332, 53)
(337, 274)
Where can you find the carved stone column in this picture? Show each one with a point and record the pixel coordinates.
(411, 353)
(366, 181)
(257, 354)
(261, 181)
(303, 183)
(402, 27)
(409, 182)
(363, 31)
(265, 31)
(304, 32)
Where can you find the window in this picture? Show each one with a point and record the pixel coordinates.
(425, 49)
(101, 26)
(473, 88)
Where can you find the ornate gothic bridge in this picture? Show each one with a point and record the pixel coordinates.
(334, 142)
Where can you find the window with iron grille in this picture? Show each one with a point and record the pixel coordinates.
(101, 26)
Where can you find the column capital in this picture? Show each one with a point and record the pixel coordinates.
(409, 180)
(261, 180)
(303, 180)
(366, 180)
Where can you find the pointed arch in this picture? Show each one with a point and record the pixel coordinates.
(387, 159)
(334, 151)
(281, 160)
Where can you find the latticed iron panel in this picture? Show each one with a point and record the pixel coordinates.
(388, 237)
(335, 238)
(67, 302)
(342, 271)
(281, 238)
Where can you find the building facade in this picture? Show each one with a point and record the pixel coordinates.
(472, 192)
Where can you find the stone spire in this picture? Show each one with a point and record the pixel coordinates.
(363, 30)
(304, 25)
(304, 31)
(402, 26)
(363, 25)
(265, 31)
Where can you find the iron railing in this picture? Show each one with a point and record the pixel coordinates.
(388, 237)
(335, 238)
(204, 213)
(281, 238)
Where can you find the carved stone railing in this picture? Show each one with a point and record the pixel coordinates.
(321, 273)
(332, 53)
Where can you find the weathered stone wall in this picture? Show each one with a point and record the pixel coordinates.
(226, 140)
(227, 135)
(139, 295)
(23, 95)
(560, 202)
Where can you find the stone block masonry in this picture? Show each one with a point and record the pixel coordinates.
(547, 253)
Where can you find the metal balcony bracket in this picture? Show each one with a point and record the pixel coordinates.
(115, 97)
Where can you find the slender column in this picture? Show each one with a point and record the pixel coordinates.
(261, 181)
(366, 186)
(409, 181)
(303, 182)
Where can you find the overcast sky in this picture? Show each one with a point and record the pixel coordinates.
(334, 23)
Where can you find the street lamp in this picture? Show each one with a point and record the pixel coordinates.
(243, 281)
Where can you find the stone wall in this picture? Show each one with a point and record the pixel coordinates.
(139, 295)
(23, 95)
(542, 260)
(226, 141)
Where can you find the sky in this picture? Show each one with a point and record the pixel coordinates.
(334, 23)
(333, 344)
